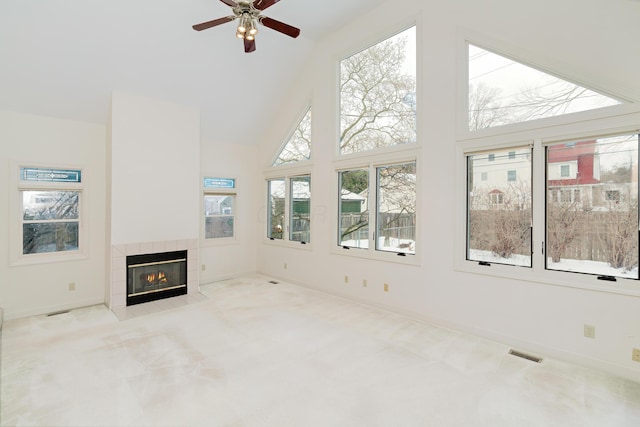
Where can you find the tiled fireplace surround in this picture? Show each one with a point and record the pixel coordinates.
(119, 255)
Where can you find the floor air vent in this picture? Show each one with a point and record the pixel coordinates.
(273, 282)
(55, 313)
(525, 356)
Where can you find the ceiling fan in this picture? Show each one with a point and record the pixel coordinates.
(248, 12)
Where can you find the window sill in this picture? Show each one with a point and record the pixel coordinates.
(222, 241)
(288, 244)
(374, 255)
(583, 281)
(47, 258)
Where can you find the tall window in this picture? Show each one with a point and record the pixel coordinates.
(396, 208)
(499, 209)
(596, 230)
(50, 210)
(219, 206)
(300, 209)
(219, 214)
(354, 208)
(378, 95)
(275, 208)
(503, 91)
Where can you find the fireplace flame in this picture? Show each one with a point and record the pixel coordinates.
(151, 277)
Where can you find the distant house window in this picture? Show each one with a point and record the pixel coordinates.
(565, 171)
(512, 155)
(496, 198)
(511, 176)
(483, 176)
(491, 157)
(612, 195)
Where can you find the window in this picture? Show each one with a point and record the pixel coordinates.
(512, 155)
(491, 157)
(298, 146)
(378, 95)
(565, 171)
(394, 200)
(50, 221)
(499, 211)
(300, 209)
(219, 205)
(396, 208)
(503, 91)
(289, 209)
(275, 209)
(219, 214)
(50, 224)
(484, 176)
(586, 235)
(353, 208)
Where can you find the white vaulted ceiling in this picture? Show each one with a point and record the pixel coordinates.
(63, 58)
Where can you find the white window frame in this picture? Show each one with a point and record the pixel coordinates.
(17, 257)
(363, 45)
(537, 61)
(371, 162)
(217, 241)
(286, 172)
(587, 127)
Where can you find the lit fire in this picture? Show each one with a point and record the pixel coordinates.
(159, 278)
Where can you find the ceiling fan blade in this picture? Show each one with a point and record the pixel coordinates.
(230, 3)
(280, 26)
(249, 45)
(263, 4)
(209, 24)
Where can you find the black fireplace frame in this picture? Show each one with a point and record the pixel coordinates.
(133, 260)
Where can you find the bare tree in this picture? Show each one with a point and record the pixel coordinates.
(298, 147)
(377, 100)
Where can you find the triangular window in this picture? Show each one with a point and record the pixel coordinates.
(503, 91)
(298, 146)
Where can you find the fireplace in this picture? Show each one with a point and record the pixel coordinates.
(156, 276)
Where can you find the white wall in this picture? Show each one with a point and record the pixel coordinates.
(228, 258)
(593, 42)
(155, 148)
(34, 289)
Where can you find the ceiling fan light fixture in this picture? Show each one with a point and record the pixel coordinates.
(253, 28)
(245, 22)
(250, 37)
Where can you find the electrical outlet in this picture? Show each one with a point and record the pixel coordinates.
(72, 286)
(386, 287)
(589, 331)
(204, 267)
(346, 279)
(635, 355)
(285, 265)
(364, 283)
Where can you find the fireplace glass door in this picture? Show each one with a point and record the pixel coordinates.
(156, 276)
